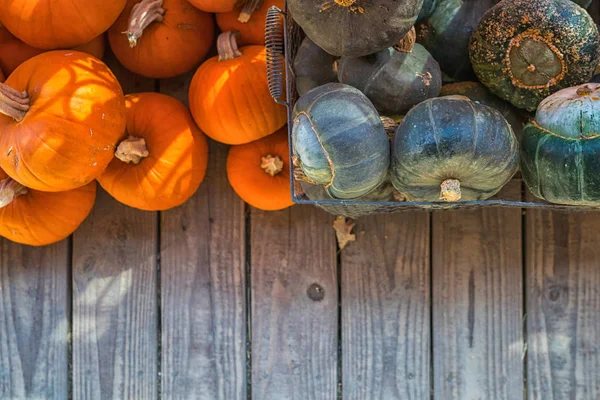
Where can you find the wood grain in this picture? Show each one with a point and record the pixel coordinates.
(115, 293)
(34, 321)
(294, 305)
(386, 309)
(203, 286)
(563, 305)
(477, 302)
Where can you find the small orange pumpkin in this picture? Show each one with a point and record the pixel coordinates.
(249, 20)
(62, 113)
(58, 24)
(37, 218)
(163, 160)
(216, 5)
(259, 172)
(2, 78)
(161, 38)
(229, 94)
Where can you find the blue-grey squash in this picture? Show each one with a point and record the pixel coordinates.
(451, 148)
(560, 152)
(313, 67)
(427, 9)
(339, 142)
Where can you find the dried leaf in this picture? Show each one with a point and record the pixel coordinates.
(343, 231)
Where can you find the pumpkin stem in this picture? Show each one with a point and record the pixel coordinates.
(249, 8)
(390, 125)
(345, 3)
(132, 150)
(13, 103)
(9, 190)
(407, 43)
(227, 46)
(271, 165)
(450, 190)
(584, 91)
(143, 14)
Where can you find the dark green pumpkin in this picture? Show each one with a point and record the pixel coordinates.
(393, 80)
(451, 141)
(313, 67)
(339, 142)
(525, 50)
(355, 28)
(427, 8)
(560, 153)
(446, 33)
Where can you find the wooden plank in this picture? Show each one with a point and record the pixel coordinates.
(478, 302)
(203, 289)
(114, 294)
(34, 321)
(563, 305)
(294, 305)
(386, 309)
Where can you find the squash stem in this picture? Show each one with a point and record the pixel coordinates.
(143, 14)
(227, 46)
(271, 165)
(9, 190)
(450, 190)
(132, 150)
(13, 103)
(407, 43)
(250, 7)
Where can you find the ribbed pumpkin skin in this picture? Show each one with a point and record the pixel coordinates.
(453, 138)
(313, 67)
(339, 140)
(560, 152)
(76, 116)
(177, 161)
(394, 81)
(375, 25)
(41, 218)
(168, 48)
(251, 182)
(56, 24)
(525, 50)
(230, 100)
(446, 33)
(215, 6)
(253, 31)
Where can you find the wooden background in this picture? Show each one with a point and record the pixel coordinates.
(215, 300)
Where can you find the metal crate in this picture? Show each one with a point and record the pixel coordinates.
(283, 38)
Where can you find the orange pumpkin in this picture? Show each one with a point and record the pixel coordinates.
(163, 160)
(14, 52)
(259, 172)
(58, 24)
(229, 94)
(63, 112)
(248, 20)
(161, 38)
(215, 5)
(2, 78)
(37, 218)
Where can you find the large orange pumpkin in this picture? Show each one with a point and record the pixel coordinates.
(58, 24)
(2, 78)
(259, 172)
(63, 113)
(216, 5)
(14, 52)
(229, 94)
(164, 158)
(249, 20)
(161, 38)
(37, 218)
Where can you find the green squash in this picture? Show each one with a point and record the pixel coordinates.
(525, 50)
(384, 192)
(446, 33)
(355, 28)
(313, 67)
(427, 8)
(450, 148)
(339, 142)
(560, 153)
(393, 80)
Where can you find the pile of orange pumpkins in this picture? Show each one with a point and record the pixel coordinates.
(65, 124)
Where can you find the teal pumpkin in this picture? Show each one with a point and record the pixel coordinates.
(427, 8)
(384, 192)
(313, 67)
(339, 142)
(560, 154)
(393, 80)
(525, 50)
(450, 148)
